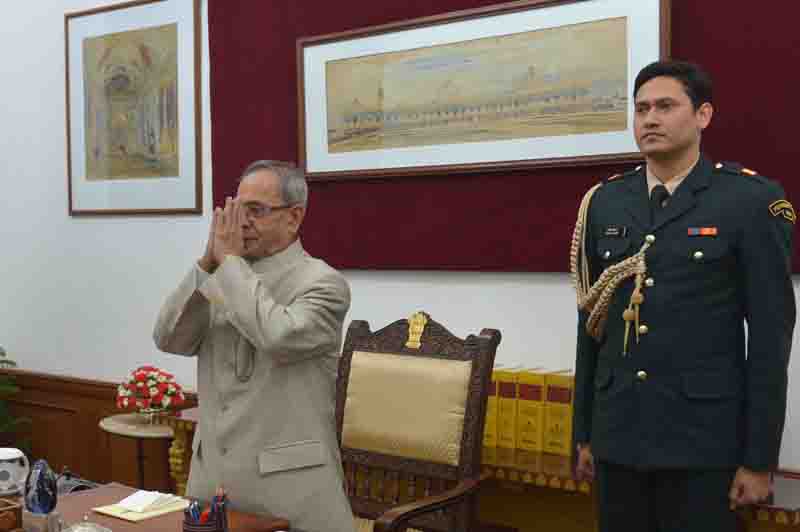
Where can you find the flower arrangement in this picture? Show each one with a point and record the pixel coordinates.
(149, 388)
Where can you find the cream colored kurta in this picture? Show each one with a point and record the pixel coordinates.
(267, 340)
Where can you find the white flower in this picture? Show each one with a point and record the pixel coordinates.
(153, 391)
(166, 400)
(125, 402)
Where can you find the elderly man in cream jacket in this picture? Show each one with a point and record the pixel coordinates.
(264, 320)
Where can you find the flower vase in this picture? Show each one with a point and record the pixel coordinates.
(150, 414)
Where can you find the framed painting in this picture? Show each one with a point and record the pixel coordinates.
(133, 109)
(522, 84)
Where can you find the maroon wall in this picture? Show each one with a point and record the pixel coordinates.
(505, 221)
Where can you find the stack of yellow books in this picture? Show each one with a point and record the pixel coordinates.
(530, 409)
(506, 406)
(559, 389)
(529, 421)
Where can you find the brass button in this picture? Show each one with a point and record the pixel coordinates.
(643, 329)
(698, 255)
(650, 239)
(649, 282)
(641, 375)
(606, 254)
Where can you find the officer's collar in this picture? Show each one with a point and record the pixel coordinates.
(698, 179)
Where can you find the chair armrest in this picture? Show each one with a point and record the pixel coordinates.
(396, 519)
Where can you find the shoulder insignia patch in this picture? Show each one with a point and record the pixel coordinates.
(735, 168)
(623, 175)
(783, 208)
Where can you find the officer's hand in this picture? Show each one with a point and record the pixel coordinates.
(585, 467)
(749, 487)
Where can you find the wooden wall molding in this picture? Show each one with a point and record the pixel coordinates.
(65, 413)
(39, 404)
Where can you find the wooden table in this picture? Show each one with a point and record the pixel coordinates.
(74, 506)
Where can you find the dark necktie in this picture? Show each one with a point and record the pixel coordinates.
(658, 198)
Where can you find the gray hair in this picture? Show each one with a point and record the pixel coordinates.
(294, 188)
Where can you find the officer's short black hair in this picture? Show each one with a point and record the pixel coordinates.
(694, 79)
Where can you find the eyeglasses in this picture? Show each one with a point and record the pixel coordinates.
(260, 210)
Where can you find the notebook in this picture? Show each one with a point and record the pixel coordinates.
(143, 505)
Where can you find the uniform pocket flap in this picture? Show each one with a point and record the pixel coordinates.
(290, 456)
(704, 249)
(612, 248)
(718, 385)
(603, 378)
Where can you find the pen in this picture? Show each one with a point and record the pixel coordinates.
(195, 509)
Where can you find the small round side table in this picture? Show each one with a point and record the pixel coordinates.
(138, 427)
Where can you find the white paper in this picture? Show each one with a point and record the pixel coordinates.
(145, 501)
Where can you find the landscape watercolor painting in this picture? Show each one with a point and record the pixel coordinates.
(566, 80)
(131, 104)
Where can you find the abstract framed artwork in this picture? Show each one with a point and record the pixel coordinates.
(133, 109)
(534, 83)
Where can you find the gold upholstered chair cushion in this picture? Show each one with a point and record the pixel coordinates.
(411, 407)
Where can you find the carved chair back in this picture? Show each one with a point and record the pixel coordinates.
(410, 409)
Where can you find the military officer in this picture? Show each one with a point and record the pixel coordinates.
(678, 413)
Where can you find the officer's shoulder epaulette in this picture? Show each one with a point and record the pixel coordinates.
(738, 169)
(622, 176)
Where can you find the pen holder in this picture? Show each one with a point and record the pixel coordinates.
(219, 523)
(211, 526)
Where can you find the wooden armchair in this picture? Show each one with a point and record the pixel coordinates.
(410, 409)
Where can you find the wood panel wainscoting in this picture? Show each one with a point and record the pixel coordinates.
(65, 413)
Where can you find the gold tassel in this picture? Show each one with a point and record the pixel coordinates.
(631, 314)
(628, 316)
